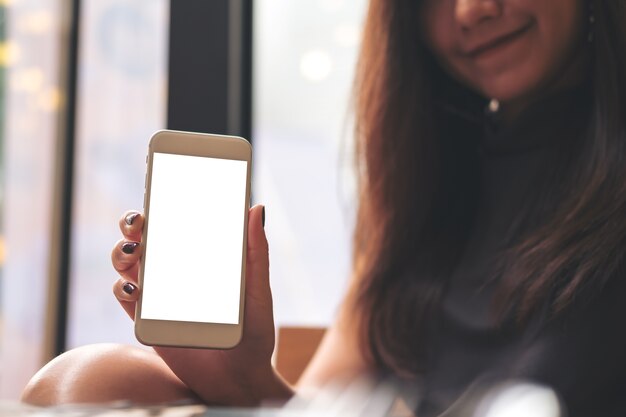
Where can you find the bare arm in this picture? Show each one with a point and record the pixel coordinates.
(339, 355)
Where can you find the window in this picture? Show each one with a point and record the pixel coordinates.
(121, 102)
(304, 57)
(141, 66)
(30, 61)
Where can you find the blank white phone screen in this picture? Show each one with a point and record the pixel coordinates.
(194, 248)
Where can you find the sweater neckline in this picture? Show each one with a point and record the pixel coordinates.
(544, 124)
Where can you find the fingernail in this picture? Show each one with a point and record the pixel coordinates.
(129, 247)
(129, 288)
(263, 217)
(131, 218)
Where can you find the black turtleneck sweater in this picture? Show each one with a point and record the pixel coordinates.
(582, 354)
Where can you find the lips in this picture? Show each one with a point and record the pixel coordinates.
(497, 41)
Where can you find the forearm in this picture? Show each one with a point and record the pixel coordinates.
(263, 386)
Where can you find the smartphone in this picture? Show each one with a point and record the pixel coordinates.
(192, 272)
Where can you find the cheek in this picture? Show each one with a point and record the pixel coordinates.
(565, 28)
(562, 34)
(439, 37)
(437, 27)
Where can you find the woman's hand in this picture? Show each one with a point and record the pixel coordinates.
(239, 376)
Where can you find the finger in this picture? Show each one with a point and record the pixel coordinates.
(131, 225)
(127, 293)
(125, 258)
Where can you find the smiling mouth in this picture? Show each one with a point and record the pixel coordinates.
(497, 43)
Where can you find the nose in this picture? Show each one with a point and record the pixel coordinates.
(469, 13)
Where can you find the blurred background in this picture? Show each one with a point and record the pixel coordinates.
(85, 83)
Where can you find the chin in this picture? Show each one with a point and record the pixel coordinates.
(510, 89)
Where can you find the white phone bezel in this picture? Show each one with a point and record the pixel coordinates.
(182, 333)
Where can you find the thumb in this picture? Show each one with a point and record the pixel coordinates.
(257, 263)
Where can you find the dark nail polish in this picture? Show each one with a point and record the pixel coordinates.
(129, 288)
(131, 218)
(129, 247)
(263, 217)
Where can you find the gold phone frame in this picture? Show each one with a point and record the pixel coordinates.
(183, 333)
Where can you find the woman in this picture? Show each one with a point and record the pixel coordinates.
(489, 245)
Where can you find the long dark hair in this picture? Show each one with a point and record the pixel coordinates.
(417, 190)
